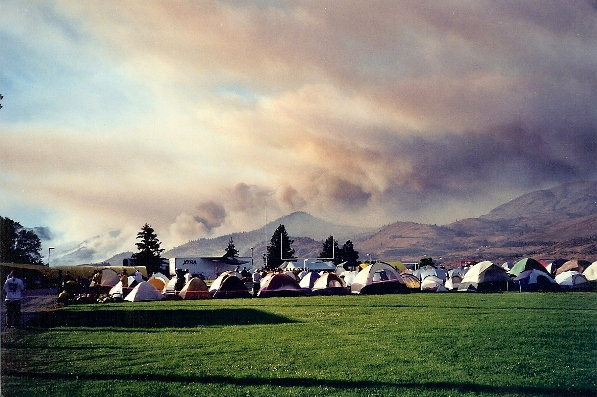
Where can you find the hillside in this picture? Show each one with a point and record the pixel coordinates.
(558, 222)
(297, 224)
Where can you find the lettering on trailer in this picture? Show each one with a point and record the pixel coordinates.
(189, 262)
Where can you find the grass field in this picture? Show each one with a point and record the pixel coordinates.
(409, 345)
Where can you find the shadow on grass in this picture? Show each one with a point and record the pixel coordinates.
(460, 387)
(155, 318)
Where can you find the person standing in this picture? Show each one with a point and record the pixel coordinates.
(13, 288)
(256, 282)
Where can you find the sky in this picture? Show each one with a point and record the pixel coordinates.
(204, 118)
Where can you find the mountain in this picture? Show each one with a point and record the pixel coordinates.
(298, 225)
(570, 200)
(557, 222)
(549, 223)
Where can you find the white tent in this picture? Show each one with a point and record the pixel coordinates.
(485, 276)
(433, 284)
(453, 282)
(378, 278)
(309, 280)
(572, 280)
(591, 272)
(348, 277)
(144, 291)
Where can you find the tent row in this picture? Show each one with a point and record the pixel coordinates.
(377, 278)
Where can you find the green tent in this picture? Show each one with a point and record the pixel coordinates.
(526, 264)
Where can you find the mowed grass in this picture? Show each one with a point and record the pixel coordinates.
(407, 345)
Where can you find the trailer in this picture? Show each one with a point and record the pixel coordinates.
(208, 267)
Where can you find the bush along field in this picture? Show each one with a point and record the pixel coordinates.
(409, 345)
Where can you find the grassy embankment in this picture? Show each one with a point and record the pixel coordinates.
(416, 344)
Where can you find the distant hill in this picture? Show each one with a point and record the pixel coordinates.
(550, 223)
(558, 222)
(297, 224)
(571, 200)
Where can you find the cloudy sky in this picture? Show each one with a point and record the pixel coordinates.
(208, 117)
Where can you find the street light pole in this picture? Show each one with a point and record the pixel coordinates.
(49, 253)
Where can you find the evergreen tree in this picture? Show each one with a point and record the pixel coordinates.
(149, 250)
(279, 248)
(349, 255)
(17, 244)
(330, 250)
(231, 251)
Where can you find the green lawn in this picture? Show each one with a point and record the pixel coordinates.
(408, 345)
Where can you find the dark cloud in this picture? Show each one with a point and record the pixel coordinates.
(210, 215)
(291, 198)
(470, 165)
(44, 233)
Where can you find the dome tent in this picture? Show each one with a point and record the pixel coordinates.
(280, 284)
(576, 265)
(485, 277)
(591, 272)
(433, 284)
(309, 279)
(143, 292)
(536, 280)
(378, 278)
(329, 284)
(228, 285)
(109, 278)
(526, 264)
(573, 280)
(195, 289)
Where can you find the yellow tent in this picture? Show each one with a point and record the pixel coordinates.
(398, 265)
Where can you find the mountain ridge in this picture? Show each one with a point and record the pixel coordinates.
(548, 222)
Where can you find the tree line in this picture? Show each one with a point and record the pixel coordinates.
(21, 245)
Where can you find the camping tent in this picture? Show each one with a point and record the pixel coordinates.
(411, 281)
(526, 264)
(348, 277)
(453, 282)
(485, 276)
(280, 284)
(109, 278)
(118, 291)
(320, 265)
(507, 266)
(292, 274)
(143, 291)
(329, 284)
(288, 265)
(591, 272)
(433, 284)
(577, 265)
(157, 283)
(169, 290)
(195, 289)
(535, 280)
(160, 276)
(573, 280)
(378, 278)
(555, 265)
(309, 279)
(398, 265)
(228, 285)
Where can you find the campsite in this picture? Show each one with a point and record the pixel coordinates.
(382, 330)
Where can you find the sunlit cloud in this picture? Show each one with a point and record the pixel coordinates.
(200, 117)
